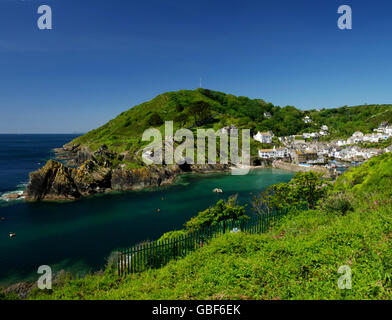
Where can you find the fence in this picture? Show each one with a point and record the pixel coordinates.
(158, 253)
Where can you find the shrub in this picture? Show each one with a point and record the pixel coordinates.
(155, 120)
(340, 203)
(223, 210)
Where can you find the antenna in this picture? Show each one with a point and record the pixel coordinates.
(200, 82)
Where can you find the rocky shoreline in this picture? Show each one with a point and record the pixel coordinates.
(87, 173)
(83, 173)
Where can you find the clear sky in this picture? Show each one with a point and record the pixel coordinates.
(105, 56)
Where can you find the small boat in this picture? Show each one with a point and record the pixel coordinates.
(159, 210)
(216, 190)
(12, 234)
(2, 219)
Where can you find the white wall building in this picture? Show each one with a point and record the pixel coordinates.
(307, 119)
(264, 137)
(273, 153)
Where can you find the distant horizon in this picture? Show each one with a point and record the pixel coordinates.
(114, 116)
(43, 133)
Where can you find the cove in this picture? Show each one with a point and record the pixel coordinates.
(79, 236)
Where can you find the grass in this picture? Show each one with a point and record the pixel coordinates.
(298, 259)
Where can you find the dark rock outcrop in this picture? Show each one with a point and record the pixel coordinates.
(54, 180)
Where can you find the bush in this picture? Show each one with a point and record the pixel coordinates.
(340, 203)
(223, 210)
(155, 120)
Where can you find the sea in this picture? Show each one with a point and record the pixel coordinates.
(80, 236)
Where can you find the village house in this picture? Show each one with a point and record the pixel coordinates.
(341, 143)
(388, 149)
(355, 138)
(313, 135)
(324, 127)
(307, 119)
(273, 153)
(267, 115)
(388, 130)
(356, 154)
(371, 138)
(303, 156)
(384, 129)
(264, 137)
(323, 133)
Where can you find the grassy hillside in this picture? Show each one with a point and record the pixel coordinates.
(298, 259)
(345, 121)
(210, 109)
(374, 176)
(125, 131)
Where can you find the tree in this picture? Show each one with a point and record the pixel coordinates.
(305, 188)
(200, 111)
(155, 120)
(181, 119)
(223, 210)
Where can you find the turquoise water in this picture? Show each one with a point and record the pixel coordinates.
(79, 236)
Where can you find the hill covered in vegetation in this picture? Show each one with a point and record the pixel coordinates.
(110, 157)
(298, 259)
(203, 108)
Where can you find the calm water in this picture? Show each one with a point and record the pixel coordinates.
(79, 236)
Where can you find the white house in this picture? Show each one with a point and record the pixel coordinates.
(388, 149)
(273, 153)
(323, 133)
(371, 138)
(388, 130)
(324, 127)
(382, 127)
(357, 134)
(355, 138)
(307, 119)
(267, 115)
(264, 137)
(310, 135)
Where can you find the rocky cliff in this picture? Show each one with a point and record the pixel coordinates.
(99, 173)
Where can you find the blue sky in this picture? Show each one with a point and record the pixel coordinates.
(103, 57)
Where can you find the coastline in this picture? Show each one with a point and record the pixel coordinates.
(76, 172)
(57, 182)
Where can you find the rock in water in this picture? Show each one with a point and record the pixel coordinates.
(12, 196)
(52, 182)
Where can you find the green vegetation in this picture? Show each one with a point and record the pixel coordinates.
(203, 108)
(374, 176)
(305, 188)
(222, 210)
(344, 121)
(298, 259)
